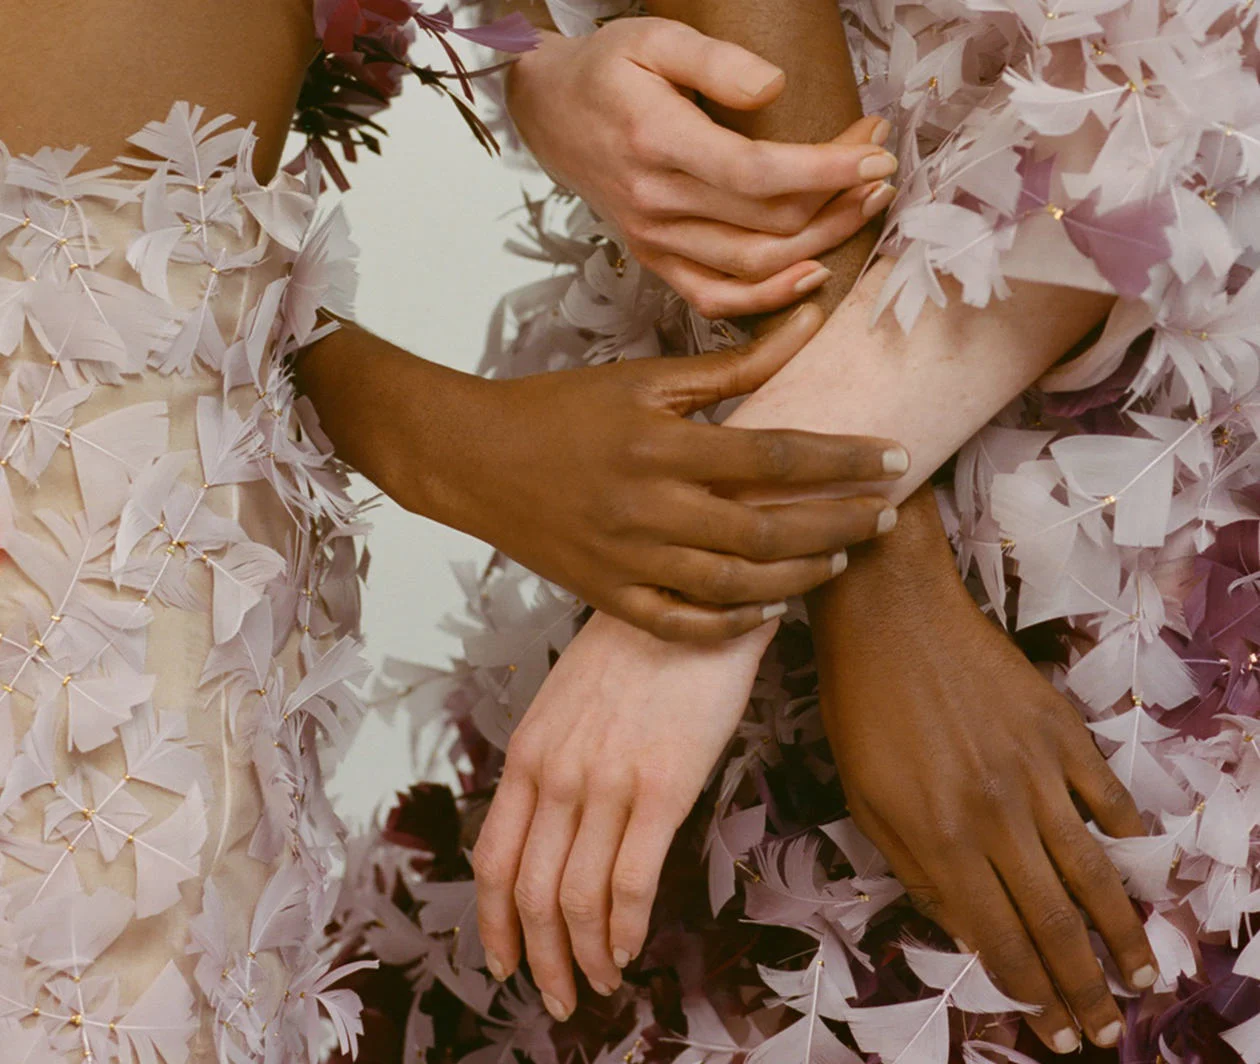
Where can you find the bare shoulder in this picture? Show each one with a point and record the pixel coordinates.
(76, 73)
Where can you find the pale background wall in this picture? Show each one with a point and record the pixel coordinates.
(431, 216)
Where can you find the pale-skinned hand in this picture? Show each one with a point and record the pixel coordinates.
(960, 761)
(596, 479)
(600, 774)
(732, 224)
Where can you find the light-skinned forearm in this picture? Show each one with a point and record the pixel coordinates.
(806, 39)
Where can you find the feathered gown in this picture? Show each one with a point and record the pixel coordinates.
(1107, 144)
(178, 606)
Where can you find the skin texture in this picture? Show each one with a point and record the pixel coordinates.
(613, 685)
(732, 223)
(579, 776)
(928, 705)
(640, 503)
(959, 761)
(248, 58)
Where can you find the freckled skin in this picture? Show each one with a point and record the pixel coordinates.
(93, 73)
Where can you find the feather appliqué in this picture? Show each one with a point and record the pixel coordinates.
(170, 621)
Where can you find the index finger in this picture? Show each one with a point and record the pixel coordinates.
(762, 169)
(717, 454)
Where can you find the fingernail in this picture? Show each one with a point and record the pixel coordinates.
(559, 1011)
(1110, 1034)
(839, 563)
(962, 946)
(877, 199)
(881, 132)
(896, 461)
(755, 82)
(769, 613)
(1066, 1041)
(497, 968)
(811, 280)
(881, 164)
(620, 957)
(887, 521)
(601, 989)
(1144, 977)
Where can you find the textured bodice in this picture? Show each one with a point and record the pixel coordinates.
(178, 603)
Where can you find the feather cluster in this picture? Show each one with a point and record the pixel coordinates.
(178, 606)
(1093, 143)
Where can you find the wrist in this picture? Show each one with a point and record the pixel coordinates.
(892, 581)
(428, 459)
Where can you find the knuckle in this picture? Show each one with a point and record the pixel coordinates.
(1058, 922)
(670, 625)
(764, 540)
(1115, 795)
(708, 303)
(640, 190)
(720, 582)
(631, 888)
(1094, 869)
(562, 782)
(927, 902)
(1011, 954)
(534, 902)
(580, 904)
(1091, 997)
(488, 869)
(789, 219)
(777, 458)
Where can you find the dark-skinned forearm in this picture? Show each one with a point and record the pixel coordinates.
(364, 387)
(821, 100)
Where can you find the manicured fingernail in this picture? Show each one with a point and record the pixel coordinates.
(839, 563)
(877, 199)
(881, 164)
(896, 461)
(881, 132)
(496, 966)
(1144, 977)
(962, 946)
(769, 613)
(1066, 1041)
(620, 957)
(887, 521)
(811, 280)
(755, 82)
(559, 1011)
(1110, 1034)
(601, 989)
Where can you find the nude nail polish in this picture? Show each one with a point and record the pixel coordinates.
(887, 521)
(896, 461)
(1110, 1034)
(839, 563)
(881, 164)
(811, 280)
(556, 1008)
(881, 132)
(496, 966)
(769, 613)
(1144, 977)
(620, 957)
(602, 989)
(755, 82)
(1066, 1041)
(877, 199)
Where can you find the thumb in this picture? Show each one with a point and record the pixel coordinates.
(722, 72)
(686, 385)
(870, 129)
